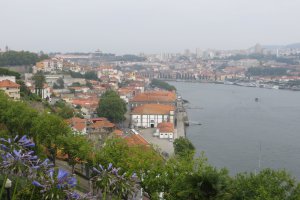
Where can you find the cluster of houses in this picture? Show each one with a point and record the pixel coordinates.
(147, 108)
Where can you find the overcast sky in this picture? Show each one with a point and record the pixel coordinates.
(150, 26)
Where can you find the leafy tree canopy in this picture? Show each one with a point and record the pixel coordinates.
(7, 72)
(77, 147)
(162, 84)
(14, 58)
(112, 107)
(268, 184)
(183, 148)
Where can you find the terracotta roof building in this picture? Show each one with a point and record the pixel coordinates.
(153, 97)
(150, 115)
(78, 125)
(136, 140)
(165, 130)
(166, 127)
(12, 89)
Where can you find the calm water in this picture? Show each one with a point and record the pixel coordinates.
(234, 126)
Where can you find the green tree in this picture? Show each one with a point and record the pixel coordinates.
(7, 72)
(76, 74)
(63, 110)
(39, 80)
(183, 148)
(16, 116)
(163, 85)
(47, 129)
(26, 94)
(112, 107)
(92, 75)
(14, 58)
(268, 185)
(61, 83)
(77, 147)
(138, 159)
(76, 84)
(188, 180)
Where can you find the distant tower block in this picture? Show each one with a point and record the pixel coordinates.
(6, 48)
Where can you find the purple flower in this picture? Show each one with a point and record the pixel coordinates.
(23, 138)
(35, 167)
(51, 172)
(33, 158)
(15, 139)
(37, 184)
(101, 167)
(29, 144)
(115, 171)
(109, 166)
(96, 170)
(3, 147)
(3, 140)
(134, 175)
(62, 174)
(17, 153)
(72, 181)
(75, 195)
(45, 162)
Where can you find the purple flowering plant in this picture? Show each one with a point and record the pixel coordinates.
(18, 160)
(107, 182)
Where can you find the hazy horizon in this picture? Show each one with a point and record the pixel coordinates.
(134, 26)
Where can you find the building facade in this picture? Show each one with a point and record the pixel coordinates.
(10, 88)
(150, 115)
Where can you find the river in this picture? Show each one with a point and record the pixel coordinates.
(237, 131)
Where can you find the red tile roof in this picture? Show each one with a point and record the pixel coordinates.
(79, 126)
(166, 127)
(9, 84)
(135, 140)
(91, 102)
(118, 132)
(75, 120)
(77, 123)
(155, 96)
(148, 109)
(102, 124)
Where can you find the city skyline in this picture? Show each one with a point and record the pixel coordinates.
(151, 27)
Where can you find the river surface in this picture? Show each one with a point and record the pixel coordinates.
(237, 132)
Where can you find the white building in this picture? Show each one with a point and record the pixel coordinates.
(165, 130)
(150, 115)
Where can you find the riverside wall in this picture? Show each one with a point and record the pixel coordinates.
(181, 120)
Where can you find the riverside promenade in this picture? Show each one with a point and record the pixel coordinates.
(181, 119)
(180, 126)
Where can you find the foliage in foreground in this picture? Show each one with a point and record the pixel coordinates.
(44, 181)
(183, 147)
(180, 177)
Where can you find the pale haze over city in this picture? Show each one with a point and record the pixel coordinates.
(135, 26)
(150, 99)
